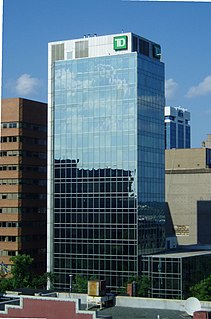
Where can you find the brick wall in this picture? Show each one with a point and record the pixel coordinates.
(49, 308)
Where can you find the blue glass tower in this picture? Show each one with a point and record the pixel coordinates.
(177, 128)
(106, 157)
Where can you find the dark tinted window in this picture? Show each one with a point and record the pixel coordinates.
(144, 47)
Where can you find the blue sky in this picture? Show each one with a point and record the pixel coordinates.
(182, 28)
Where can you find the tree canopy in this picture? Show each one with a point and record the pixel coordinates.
(22, 276)
(143, 285)
(202, 290)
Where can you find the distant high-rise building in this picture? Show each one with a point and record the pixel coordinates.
(23, 166)
(105, 157)
(177, 128)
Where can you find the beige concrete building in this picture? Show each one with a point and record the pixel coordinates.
(188, 195)
(207, 142)
(23, 180)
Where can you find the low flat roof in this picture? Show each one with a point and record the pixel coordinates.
(182, 254)
(142, 313)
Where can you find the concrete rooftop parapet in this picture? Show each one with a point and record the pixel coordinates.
(165, 304)
(136, 302)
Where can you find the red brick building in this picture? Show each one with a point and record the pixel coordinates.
(48, 308)
(23, 148)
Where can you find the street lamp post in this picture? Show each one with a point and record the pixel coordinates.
(71, 279)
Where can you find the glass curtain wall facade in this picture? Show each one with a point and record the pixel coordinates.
(177, 128)
(107, 172)
(172, 275)
(170, 133)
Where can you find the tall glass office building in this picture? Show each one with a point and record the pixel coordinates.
(177, 127)
(105, 157)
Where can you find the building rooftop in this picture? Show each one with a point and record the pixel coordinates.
(125, 308)
(142, 313)
(187, 159)
(182, 254)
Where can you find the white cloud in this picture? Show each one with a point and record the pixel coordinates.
(25, 85)
(171, 87)
(203, 88)
(69, 79)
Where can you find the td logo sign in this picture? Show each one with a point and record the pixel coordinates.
(120, 43)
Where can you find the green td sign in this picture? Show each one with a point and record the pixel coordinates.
(120, 42)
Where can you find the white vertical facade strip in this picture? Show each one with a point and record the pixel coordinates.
(49, 170)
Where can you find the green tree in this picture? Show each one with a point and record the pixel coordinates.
(143, 285)
(80, 284)
(23, 276)
(40, 281)
(202, 290)
(5, 284)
